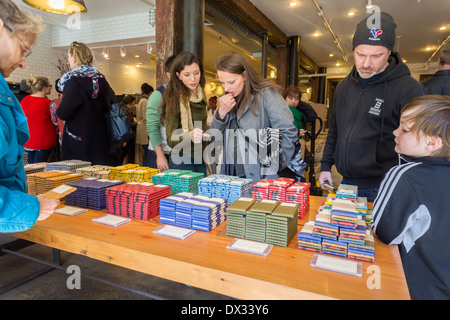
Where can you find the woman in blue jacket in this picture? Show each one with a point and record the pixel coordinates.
(18, 210)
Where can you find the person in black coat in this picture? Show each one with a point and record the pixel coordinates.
(439, 83)
(83, 109)
(24, 90)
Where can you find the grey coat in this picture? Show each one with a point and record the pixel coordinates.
(271, 112)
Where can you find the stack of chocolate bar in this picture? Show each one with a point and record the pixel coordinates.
(167, 206)
(209, 213)
(277, 191)
(299, 193)
(136, 200)
(261, 189)
(255, 219)
(91, 193)
(236, 213)
(324, 228)
(308, 240)
(363, 251)
(343, 213)
(346, 191)
(282, 224)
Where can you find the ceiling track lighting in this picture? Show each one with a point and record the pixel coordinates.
(105, 53)
(327, 25)
(149, 48)
(123, 51)
(447, 40)
(66, 7)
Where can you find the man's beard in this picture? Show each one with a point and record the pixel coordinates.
(364, 76)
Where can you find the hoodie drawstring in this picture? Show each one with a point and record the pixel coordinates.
(382, 112)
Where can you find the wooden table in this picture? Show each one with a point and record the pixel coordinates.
(203, 261)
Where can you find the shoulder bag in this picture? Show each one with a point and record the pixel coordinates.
(119, 131)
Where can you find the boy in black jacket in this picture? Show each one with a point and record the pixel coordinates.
(412, 206)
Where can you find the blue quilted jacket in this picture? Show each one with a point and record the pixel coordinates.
(18, 210)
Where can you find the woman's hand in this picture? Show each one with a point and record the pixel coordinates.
(197, 135)
(47, 207)
(226, 104)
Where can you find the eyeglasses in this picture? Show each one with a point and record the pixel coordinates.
(25, 52)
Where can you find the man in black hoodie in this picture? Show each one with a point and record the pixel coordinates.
(367, 109)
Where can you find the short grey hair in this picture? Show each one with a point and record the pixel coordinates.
(18, 21)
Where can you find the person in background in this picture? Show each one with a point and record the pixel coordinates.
(367, 109)
(57, 122)
(19, 211)
(159, 150)
(83, 108)
(141, 133)
(183, 111)
(411, 209)
(129, 108)
(439, 83)
(42, 130)
(211, 109)
(301, 110)
(253, 104)
(24, 90)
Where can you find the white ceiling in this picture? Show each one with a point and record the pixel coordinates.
(418, 23)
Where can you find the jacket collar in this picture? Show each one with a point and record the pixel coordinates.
(427, 160)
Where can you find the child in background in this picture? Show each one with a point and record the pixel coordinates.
(412, 206)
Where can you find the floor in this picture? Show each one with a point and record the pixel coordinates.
(53, 285)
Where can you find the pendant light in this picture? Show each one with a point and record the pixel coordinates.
(66, 7)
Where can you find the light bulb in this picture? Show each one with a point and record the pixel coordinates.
(105, 53)
(57, 4)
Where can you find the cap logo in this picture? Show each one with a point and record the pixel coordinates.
(375, 33)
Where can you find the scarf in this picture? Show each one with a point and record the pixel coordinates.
(185, 111)
(83, 71)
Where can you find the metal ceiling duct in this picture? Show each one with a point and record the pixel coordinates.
(230, 27)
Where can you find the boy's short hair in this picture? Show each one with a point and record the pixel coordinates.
(431, 117)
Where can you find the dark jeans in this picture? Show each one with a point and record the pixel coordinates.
(369, 193)
(38, 156)
(146, 160)
(150, 159)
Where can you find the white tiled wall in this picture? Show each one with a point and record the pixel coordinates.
(54, 41)
(106, 29)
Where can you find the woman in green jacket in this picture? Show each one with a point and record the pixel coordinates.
(183, 111)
